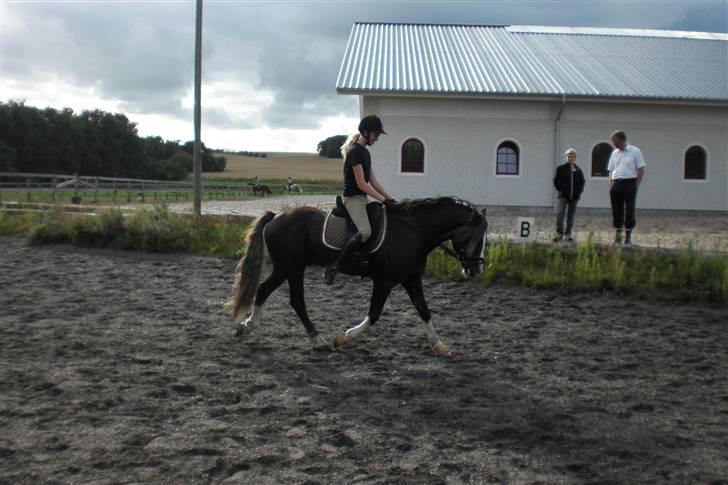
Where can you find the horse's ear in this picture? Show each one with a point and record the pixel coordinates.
(483, 212)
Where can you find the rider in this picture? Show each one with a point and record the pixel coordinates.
(359, 181)
(289, 184)
(257, 181)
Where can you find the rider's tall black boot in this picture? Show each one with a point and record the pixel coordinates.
(347, 252)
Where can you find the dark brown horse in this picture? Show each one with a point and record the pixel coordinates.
(416, 227)
(261, 189)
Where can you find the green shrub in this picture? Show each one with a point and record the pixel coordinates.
(14, 223)
(86, 231)
(51, 227)
(158, 230)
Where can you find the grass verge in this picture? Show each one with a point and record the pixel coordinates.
(688, 276)
(153, 230)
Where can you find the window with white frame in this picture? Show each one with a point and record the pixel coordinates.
(600, 159)
(695, 163)
(507, 159)
(412, 156)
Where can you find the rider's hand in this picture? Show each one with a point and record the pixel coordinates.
(390, 203)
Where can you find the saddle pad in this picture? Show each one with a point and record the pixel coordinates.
(336, 233)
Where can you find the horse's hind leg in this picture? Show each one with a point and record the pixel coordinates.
(380, 293)
(264, 291)
(295, 286)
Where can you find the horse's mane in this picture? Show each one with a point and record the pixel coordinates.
(414, 205)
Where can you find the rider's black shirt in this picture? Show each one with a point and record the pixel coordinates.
(358, 155)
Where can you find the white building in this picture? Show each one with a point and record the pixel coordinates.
(486, 112)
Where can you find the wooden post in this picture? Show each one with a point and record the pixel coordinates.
(96, 190)
(27, 184)
(113, 191)
(142, 192)
(55, 182)
(128, 191)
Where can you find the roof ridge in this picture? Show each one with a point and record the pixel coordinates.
(566, 30)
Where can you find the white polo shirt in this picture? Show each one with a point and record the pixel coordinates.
(623, 164)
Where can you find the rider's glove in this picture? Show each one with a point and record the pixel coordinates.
(390, 203)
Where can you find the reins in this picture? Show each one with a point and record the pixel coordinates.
(462, 258)
(448, 250)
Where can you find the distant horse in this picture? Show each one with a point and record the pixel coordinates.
(293, 188)
(294, 240)
(261, 189)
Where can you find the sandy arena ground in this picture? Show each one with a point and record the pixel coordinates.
(121, 367)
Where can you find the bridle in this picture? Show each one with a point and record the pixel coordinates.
(464, 260)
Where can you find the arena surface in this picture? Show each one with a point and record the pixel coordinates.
(122, 367)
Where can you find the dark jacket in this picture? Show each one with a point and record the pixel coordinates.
(569, 184)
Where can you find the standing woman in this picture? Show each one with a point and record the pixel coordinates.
(359, 182)
(569, 182)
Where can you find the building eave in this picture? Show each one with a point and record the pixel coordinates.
(537, 97)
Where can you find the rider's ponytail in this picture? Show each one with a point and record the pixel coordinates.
(348, 144)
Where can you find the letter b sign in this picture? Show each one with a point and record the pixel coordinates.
(525, 229)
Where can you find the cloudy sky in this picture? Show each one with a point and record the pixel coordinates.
(269, 67)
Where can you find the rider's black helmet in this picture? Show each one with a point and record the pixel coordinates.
(371, 123)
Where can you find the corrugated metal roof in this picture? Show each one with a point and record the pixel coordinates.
(534, 61)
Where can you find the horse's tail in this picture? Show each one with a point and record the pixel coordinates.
(247, 273)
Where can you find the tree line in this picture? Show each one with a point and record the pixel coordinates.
(91, 143)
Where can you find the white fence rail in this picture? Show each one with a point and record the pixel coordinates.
(134, 189)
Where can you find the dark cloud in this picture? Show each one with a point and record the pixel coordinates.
(222, 119)
(141, 53)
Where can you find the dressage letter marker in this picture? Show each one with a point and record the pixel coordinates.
(526, 229)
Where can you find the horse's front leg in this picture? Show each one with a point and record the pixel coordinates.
(380, 293)
(417, 295)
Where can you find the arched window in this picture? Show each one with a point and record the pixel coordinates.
(600, 159)
(695, 161)
(413, 156)
(507, 159)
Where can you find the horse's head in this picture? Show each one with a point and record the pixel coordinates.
(469, 241)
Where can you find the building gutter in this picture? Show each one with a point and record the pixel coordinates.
(651, 100)
(557, 139)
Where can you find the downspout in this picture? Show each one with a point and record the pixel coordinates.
(557, 139)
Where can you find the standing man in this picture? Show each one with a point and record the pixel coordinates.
(569, 182)
(626, 171)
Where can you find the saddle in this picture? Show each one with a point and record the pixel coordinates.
(339, 228)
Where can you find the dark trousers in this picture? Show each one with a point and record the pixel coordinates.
(561, 208)
(623, 195)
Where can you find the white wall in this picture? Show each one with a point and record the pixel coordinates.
(461, 137)
(663, 133)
